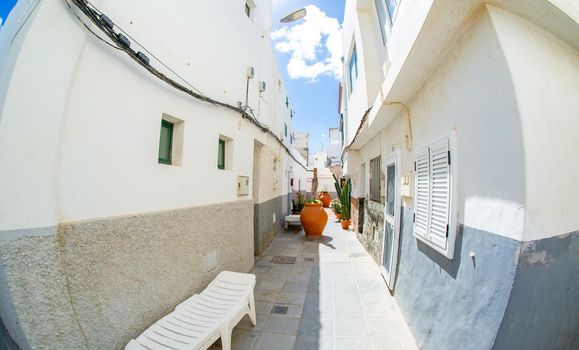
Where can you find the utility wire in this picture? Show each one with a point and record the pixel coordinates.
(149, 52)
(88, 28)
(96, 16)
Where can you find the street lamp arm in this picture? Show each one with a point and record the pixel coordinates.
(292, 17)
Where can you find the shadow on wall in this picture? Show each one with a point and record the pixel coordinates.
(450, 266)
(6, 341)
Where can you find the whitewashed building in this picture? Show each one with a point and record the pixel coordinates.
(461, 124)
(121, 195)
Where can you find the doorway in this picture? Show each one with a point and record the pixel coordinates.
(391, 167)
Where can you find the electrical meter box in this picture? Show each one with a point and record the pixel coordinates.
(406, 187)
(242, 185)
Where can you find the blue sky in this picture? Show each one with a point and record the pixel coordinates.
(315, 100)
(5, 7)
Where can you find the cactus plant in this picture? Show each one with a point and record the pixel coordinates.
(344, 194)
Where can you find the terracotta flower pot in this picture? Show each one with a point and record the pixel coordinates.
(326, 199)
(345, 224)
(314, 219)
(338, 216)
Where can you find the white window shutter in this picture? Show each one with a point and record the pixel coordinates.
(422, 193)
(439, 193)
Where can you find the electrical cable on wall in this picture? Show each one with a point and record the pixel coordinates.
(121, 42)
(408, 136)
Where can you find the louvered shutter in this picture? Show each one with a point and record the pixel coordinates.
(439, 193)
(422, 193)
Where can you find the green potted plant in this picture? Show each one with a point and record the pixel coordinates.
(337, 208)
(298, 203)
(344, 192)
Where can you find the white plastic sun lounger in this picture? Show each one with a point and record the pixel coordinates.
(200, 320)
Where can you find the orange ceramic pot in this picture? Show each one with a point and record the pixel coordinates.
(314, 219)
(326, 199)
(338, 216)
(345, 224)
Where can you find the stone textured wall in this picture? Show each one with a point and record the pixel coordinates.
(97, 284)
(373, 236)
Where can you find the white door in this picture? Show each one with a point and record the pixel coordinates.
(391, 167)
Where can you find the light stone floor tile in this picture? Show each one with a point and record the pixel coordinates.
(263, 308)
(282, 325)
(393, 341)
(270, 285)
(271, 341)
(291, 298)
(299, 286)
(316, 326)
(245, 323)
(335, 294)
(242, 339)
(353, 343)
(312, 342)
(349, 311)
(379, 325)
(350, 327)
(265, 295)
(293, 311)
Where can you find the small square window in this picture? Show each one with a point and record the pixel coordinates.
(225, 153)
(221, 155)
(166, 143)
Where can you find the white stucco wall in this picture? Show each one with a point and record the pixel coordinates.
(85, 142)
(515, 136)
(471, 93)
(545, 72)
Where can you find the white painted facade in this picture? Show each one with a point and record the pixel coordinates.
(513, 177)
(80, 127)
(501, 77)
(89, 131)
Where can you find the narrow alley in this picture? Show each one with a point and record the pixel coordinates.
(324, 293)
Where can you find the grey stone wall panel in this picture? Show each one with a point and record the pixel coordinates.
(543, 309)
(264, 227)
(99, 283)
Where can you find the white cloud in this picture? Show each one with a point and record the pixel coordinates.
(315, 46)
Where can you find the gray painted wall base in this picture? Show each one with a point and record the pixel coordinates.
(6, 341)
(263, 225)
(543, 309)
(458, 303)
(511, 295)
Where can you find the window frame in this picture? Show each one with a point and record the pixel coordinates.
(353, 58)
(375, 192)
(382, 22)
(452, 205)
(247, 10)
(221, 154)
(392, 6)
(171, 128)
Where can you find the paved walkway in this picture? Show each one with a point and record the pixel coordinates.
(331, 297)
